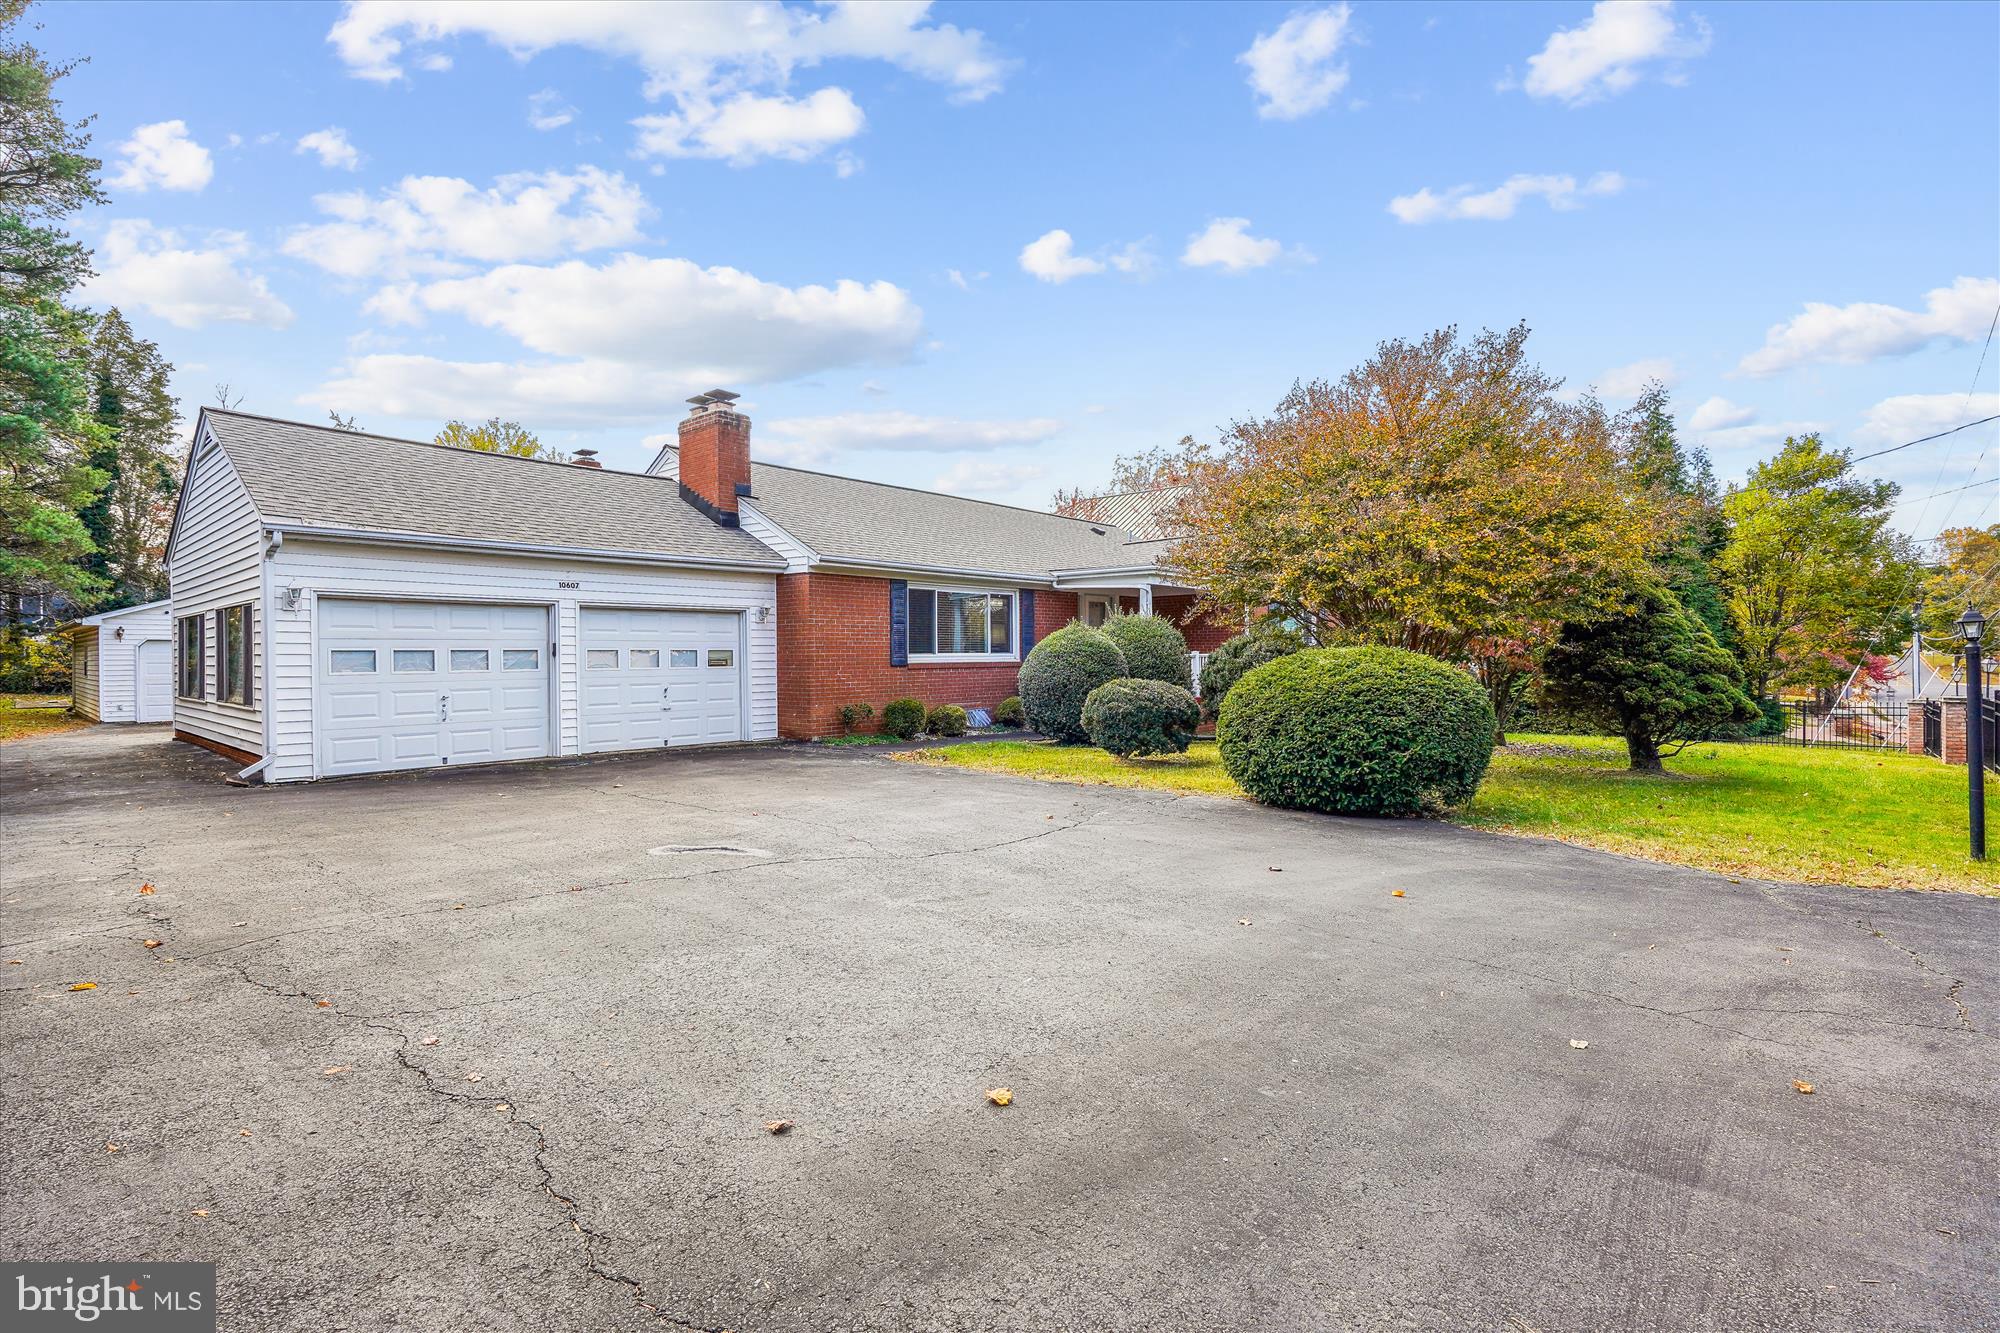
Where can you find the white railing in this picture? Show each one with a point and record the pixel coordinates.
(1195, 661)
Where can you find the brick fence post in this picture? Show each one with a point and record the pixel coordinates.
(1913, 730)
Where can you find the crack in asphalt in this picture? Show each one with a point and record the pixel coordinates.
(1951, 993)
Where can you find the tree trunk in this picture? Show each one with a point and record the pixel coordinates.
(1644, 751)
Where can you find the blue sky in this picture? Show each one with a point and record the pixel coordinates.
(574, 214)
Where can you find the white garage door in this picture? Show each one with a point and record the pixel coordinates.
(417, 684)
(653, 678)
(156, 681)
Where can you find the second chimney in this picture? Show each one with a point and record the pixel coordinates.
(715, 455)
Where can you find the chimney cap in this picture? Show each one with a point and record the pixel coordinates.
(585, 458)
(714, 397)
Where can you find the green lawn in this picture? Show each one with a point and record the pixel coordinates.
(18, 720)
(1878, 820)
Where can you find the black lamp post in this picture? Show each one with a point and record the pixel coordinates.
(1972, 625)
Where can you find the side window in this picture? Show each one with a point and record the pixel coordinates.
(191, 652)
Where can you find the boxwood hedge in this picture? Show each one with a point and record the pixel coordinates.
(1374, 731)
(1059, 675)
(1154, 648)
(1135, 717)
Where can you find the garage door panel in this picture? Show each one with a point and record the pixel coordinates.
(421, 684)
(646, 682)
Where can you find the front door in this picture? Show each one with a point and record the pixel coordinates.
(1095, 610)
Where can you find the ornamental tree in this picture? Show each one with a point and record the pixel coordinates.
(1813, 575)
(1437, 496)
(1653, 673)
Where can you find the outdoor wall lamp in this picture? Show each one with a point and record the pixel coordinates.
(1973, 625)
(763, 614)
(119, 634)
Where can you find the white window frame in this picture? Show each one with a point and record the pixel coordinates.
(1013, 596)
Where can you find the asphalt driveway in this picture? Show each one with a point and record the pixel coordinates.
(483, 1050)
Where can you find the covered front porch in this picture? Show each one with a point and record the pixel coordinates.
(1149, 591)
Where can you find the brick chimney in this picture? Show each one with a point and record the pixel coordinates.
(715, 455)
(586, 458)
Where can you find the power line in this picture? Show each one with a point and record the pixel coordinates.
(1984, 481)
(1927, 439)
(1945, 462)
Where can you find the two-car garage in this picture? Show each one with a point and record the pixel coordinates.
(403, 684)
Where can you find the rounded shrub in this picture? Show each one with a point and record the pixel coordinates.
(903, 718)
(1134, 717)
(1360, 731)
(1059, 675)
(946, 720)
(1154, 648)
(1010, 713)
(1246, 652)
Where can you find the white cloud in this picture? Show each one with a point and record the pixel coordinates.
(984, 476)
(1853, 335)
(548, 111)
(1720, 414)
(435, 224)
(909, 432)
(747, 127)
(1465, 203)
(1292, 67)
(162, 154)
(958, 279)
(190, 285)
(1911, 416)
(724, 65)
(1624, 382)
(1612, 50)
(332, 148)
(624, 341)
(1052, 257)
(1227, 243)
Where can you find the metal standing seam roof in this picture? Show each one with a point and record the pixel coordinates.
(875, 523)
(324, 477)
(1146, 515)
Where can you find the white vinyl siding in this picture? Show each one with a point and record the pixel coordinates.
(109, 692)
(321, 569)
(217, 561)
(798, 556)
(83, 654)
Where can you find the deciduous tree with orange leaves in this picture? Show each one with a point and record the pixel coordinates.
(1441, 497)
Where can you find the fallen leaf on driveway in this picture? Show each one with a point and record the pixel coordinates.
(145, 888)
(15, 962)
(1800, 1085)
(331, 1070)
(1243, 921)
(776, 1126)
(111, 1147)
(234, 924)
(1576, 1045)
(201, 1212)
(1395, 893)
(322, 1004)
(243, 1133)
(503, 1107)
(1278, 870)
(84, 985)
(1000, 1096)
(474, 1078)
(151, 944)
(458, 907)
(427, 1041)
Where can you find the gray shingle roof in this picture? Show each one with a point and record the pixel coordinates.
(317, 476)
(872, 522)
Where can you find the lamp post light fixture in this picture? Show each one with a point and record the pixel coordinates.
(1973, 626)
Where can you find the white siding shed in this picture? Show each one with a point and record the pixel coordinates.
(121, 665)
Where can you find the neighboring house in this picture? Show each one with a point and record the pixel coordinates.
(350, 603)
(121, 664)
(36, 610)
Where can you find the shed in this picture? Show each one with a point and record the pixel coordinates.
(122, 664)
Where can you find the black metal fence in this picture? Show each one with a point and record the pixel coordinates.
(1933, 728)
(1845, 727)
(1989, 724)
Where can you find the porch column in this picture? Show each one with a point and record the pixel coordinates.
(1145, 599)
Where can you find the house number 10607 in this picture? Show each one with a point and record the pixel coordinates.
(568, 583)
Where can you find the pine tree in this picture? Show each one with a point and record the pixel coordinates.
(1663, 464)
(47, 435)
(128, 520)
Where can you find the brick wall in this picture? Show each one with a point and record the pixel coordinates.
(1205, 633)
(833, 649)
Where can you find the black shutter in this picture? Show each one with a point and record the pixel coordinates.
(899, 623)
(1027, 620)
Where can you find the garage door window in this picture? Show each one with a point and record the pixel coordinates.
(520, 659)
(353, 661)
(645, 659)
(683, 657)
(413, 659)
(721, 657)
(468, 659)
(601, 659)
